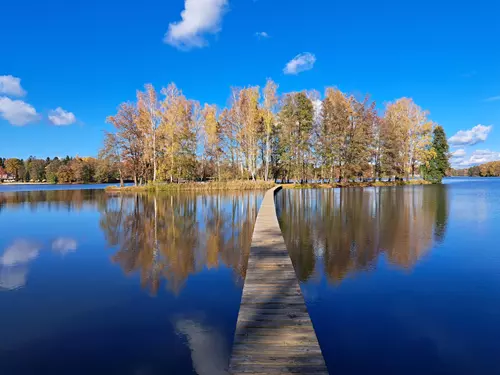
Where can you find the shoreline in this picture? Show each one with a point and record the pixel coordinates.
(338, 185)
(254, 185)
(194, 186)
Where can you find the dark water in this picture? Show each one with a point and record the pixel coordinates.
(92, 283)
(400, 280)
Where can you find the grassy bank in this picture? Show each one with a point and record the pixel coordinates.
(196, 186)
(355, 184)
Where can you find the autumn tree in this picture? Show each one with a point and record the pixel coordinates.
(110, 157)
(128, 141)
(15, 167)
(213, 137)
(37, 169)
(187, 139)
(359, 147)
(149, 120)
(406, 135)
(52, 169)
(296, 124)
(248, 117)
(268, 115)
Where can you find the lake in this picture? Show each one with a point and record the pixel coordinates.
(400, 280)
(95, 283)
(396, 279)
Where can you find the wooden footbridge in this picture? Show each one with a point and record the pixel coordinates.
(274, 333)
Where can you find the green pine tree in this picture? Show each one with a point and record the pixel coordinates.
(440, 163)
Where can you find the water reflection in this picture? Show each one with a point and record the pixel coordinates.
(170, 236)
(209, 352)
(14, 263)
(64, 245)
(17, 257)
(70, 200)
(351, 228)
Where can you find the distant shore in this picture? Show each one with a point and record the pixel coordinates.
(195, 186)
(254, 185)
(56, 184)
(321, 185)
(26, 183)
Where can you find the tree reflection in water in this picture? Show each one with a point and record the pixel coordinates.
(350, 228)
(171, 236)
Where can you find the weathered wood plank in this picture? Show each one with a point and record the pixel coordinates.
(274, 333)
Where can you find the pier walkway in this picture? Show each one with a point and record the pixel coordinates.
(274, 333)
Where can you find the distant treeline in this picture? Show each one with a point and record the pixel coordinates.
(65, 170)
(491, 169)
(259, 135)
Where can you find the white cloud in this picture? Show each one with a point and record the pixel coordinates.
(61, 117)
(477, 134)
(262, 35)
(460, 153)
(198, 18)
(493, 99)
(10, 85)
(208, 347)
(14, 263)
(64, 245)
(300, 63)
(17, 112)
(477, 157)
(483, 156)
(21, 251)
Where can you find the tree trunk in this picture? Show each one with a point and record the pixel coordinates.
(154, 154)
(267, 157)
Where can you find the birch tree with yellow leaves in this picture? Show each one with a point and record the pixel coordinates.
(150, 120)
(268, 115)
(213, 137)
(408, 135)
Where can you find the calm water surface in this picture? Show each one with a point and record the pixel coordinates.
(94, 283)
(400, 280)
(44, 187)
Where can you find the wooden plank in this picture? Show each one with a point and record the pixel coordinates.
(274, 333)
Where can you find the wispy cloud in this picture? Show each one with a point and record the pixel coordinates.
(199, 17)
(300, 63)
(64, 245)
(17, 112)
(11, 86)
(477, 134)
(262, 35)
(493, 99)
(477, 157)
(61, 117)
(458, 153)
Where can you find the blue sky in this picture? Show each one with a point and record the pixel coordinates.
(66, 65)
